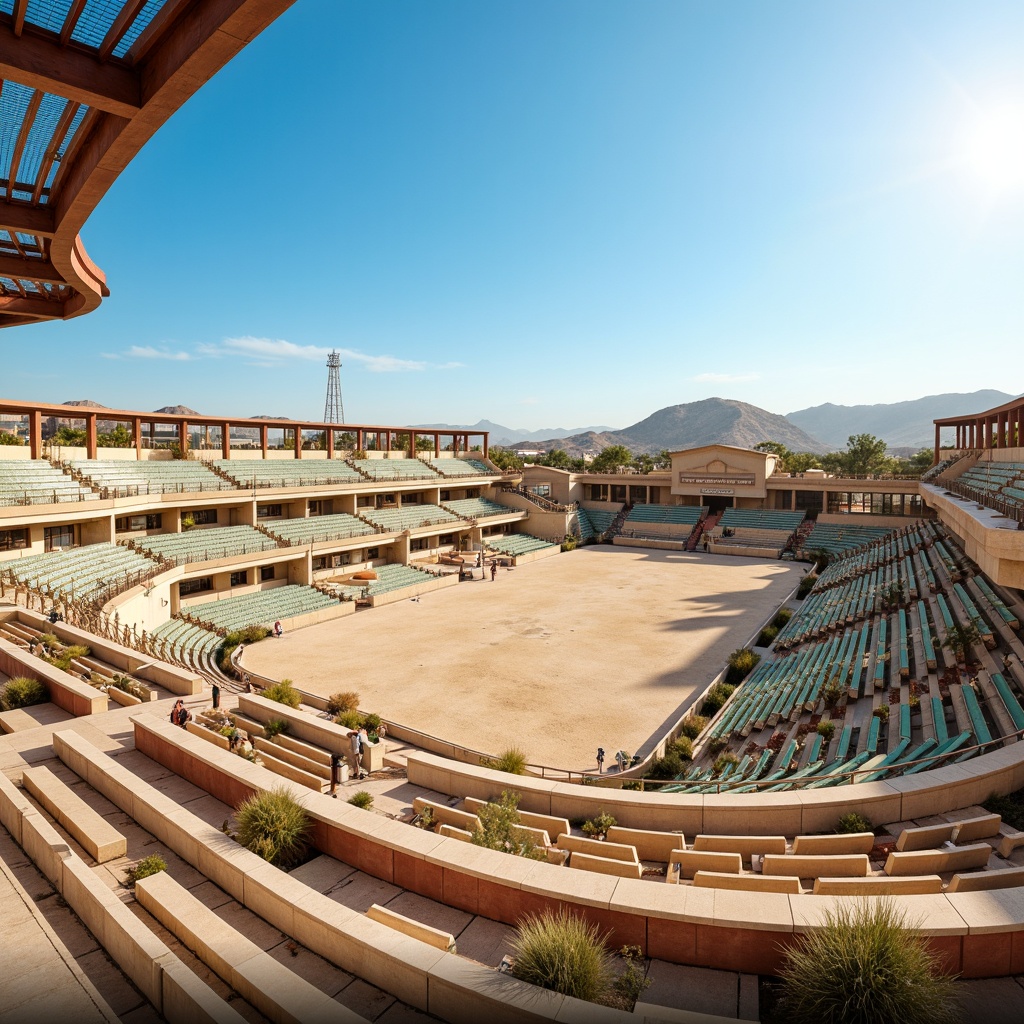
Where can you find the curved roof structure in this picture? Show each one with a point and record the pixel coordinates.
(84, 84)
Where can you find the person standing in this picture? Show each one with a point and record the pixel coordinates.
(335, 774)
(353, 753)
(216, 696)
(600, 760)
(494, 570)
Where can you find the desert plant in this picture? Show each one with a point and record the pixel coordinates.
(361, 799)
(715, 698)
(284, 693)
(62, 659)
(500, 828)
(826, 730)
(248, 635)
(853, 822)
(425, 819)
(561, 952)
(881, 712)
(782, 616)
(344, 700)
(151, 865)
(274, 728)
(724, 759)
(372, 722)
(767, 636)
(598, 825)
(188, 522)
(692, 726)
(741, 663)
(961, 638)
(349, 720)
(832, 694)
(274, 827)
(627, 988)
(22, 692)
(718, 744)
(806, 586)
(866, 965)
(511, 760)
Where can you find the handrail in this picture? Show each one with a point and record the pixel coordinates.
(986, 499)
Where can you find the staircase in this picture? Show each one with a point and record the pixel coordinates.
(616, 528)
(707, 522)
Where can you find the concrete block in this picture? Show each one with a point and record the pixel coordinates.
(432, 936)
(935, 862)
(649, 845)
(605, 865)
(853, 842)
(848, 865)
(927, 837)
(746, 883)
(689, 862)
(597, 848)
(878, 886)
(745, 846)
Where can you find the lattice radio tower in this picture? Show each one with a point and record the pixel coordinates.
(334, 407)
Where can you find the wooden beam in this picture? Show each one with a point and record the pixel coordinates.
(33, 309)
(63, 124)
(29, 270)
(70, 21)
(121, 24)
(29, 220)
(44, 64)
(19, 145)
(20, 7)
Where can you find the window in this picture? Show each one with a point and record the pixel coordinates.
(619, 492)
(372, 553)
(420, 544)
(541, 490)
(12, 540)
(447, 538)
(446, 495)
(268, 511)
(320, 562)
(204, 516)
(186, 587)
(598, 492)
(58, 537)
(240, 578)
(410, 499)
(345, 558)
(130, 524)
(266, 573)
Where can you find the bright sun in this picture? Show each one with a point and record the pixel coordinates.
(995, 148)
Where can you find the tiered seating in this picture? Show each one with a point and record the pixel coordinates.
(600, 520)
(205, 545)
(36, 482)
(260, 609)
(839, 539)
(517, 544)
(185, 643)
(462, 467)
(287, 473)
(993, 483)
(319, 528)
(760, 519)
(80, 572)
(117, 478)
(395, 469)
(477, 508)
(393, 576)
(679, 515)
(408, 517)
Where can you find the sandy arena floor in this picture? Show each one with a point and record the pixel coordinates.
(598, 647)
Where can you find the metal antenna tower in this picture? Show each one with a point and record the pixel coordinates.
(334, 407)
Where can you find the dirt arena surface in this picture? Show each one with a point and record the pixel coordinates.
(597, 647)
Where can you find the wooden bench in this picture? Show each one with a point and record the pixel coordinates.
(745, 846)
(649, 845)
(933, 862)
(875, 886)
(686, 863)
(407, 926)
(605, 865)
(972, 829)
(1005, 878)
(90, 830)
(445, 815)
(748, 883)
(852, 842)
(594, 847)
(927, 837)
(840, 865)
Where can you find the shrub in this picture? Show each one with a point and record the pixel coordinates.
(599, 824)
(248, 635)
(826, 730)
(853, 822)
(570, 543)
(832, 693)
(881, 712)
(344, 700)
(1011, 808)
(630, 984)
(692, 726)
(274, 728)
(23, 692)
(718, 744)
(670, 766)
(284, 693)
(741, 663)
(65, 657)
(866, 964)
(361, 799)
(425, 819)
(512, 761)
(634, 784)
(372, 722)
(349, 719)
(767, 635)
(151, 865)
(561, 952)
(782, 616)
(724, 759)
(275, 827)
(500, 828)
(806, 586)
(682, 747)
(716, 697)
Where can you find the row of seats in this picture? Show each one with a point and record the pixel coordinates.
(287, 472)
(516, 543)
(684, 515)
(124, 478)
(761, 519)
(395, 469)
(205, 545)
(477, 508)
(461, 467)
(408, 517)
(393, 576)
(263, 608)
(839, 539)
(315, 529)
(79, 572)
(36, 482)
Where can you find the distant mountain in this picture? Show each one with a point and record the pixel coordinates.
(501, 435)
(87, 403)
(178, 410)
(900, 424)
(711, 421)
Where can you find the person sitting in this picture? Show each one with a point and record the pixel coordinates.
(278, 631)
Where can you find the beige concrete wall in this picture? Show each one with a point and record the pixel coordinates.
(67, 692)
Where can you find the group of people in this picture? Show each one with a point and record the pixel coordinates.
(180, 715)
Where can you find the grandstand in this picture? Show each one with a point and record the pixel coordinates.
(286, 473)
(662, 522)
(462, 467)
(36, 482)
(81, 573)
(263, 608)
(409, 517)
(998, 485)
(839, 539)
(205, 545)
(122, 479)
(319, 529)
(516, 544)
(383, 470)
(389, 577)
(478, 508)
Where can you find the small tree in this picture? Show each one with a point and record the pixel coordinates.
(611, 459)
(961, 638)
(500, 828)
(284, 693)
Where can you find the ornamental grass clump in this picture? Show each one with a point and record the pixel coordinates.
(562, 952)
(512, 761)
(23, 692)
(866, 965)
(284, 693)
(151, 865)
(274, 827)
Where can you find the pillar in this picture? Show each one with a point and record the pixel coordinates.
(298, 442)
(359, 439)
(225, 440)
(387, 443)
(437, 446)
(35, 433)
(90, 436)
(183, 437)
(486, 438)
(330, 442)
(137, 431)
(935, 461)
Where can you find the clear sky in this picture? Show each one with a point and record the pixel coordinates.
(564, 214)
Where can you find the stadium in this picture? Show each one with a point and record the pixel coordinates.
(759, 655)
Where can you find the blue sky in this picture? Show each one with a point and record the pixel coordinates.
(561, 214)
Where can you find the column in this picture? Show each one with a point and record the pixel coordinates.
(487, 437)
(137, 431)
(263, 438)
(298, 442)
(437, 446)
(225, 440)
(35, 433)
(183, 437)
(90, 436)
(935, 461)
(359, 439)
(330, 442)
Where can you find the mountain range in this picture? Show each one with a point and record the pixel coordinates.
(510, 435)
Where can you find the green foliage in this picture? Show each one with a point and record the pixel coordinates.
(826, 730)
(248, 635)
(853, 822)
(556, 459)
(425, 819)
(284, 693)
(806, 585)
(610, 459)
(1010, 808)
(22, 692)
(372, 722)
(62, 659)
(692, 726)
(782, 616)
(344, 700)
(864, 453)
(718, 744)
(865, 965)
(188, 522)
(630, 984)
(361, 799)
(570, 543)
(562, 952)
(349, 720)
(505, 460)
(741, 663)
(151, 865)
(500, 828)
(274, 728)
(767, 636)
(881, 712)
(961, 638)
(599, 824)
(512, 761)
(274, 827)
(832, 693)
(717, 696)
(6, 437)
(723, 760)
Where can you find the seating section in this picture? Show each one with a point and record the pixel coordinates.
(117, 478)
(247, 473)
(840, 539)
(184, 643)
(677, 515)
(408, 517)
(261, 609)
(205, 545)
(36, 482)
(80, 572)
(600, 521)
(515, 544)
(462, 467)
(993, 484)
(395, 469)
(760, 519)
(478, 508)
(316, 529)
(393, 576)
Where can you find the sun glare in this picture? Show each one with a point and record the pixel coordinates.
(995, 148)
